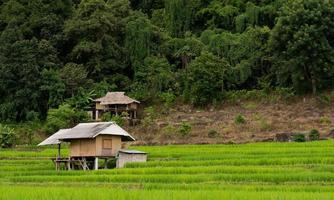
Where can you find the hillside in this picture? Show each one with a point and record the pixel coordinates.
(263, 120)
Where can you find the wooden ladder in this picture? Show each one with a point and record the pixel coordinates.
(83, 164)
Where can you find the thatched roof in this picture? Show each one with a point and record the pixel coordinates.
(89, 131)
(115, 98)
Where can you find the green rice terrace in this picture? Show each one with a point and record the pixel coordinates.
(246, 171)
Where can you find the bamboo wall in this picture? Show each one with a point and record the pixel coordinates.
(101, 146)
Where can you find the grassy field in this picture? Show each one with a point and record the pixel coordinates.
(248, 171)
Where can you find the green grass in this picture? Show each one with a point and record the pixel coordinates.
(248, 171)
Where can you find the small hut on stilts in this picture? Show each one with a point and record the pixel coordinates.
(90, 142)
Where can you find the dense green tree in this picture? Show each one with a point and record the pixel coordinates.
(246, 53)
(141, 40)
(93, 32)
(21, 67)
(182, 50)
(205, 79)
(303, 45)
(74, 77)
(147, 6)
(64, 117)
(156, 76)
(72, 51)
(179, 16)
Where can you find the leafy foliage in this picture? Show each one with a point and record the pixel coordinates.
(184, 129)
(314, 135)
(302, 43)
(7, 136)
(299, 137)
(205, 78)
(239, 119)
(62, 51)
(64, 117)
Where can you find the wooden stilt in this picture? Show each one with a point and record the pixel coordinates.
(69, 164)
(96, 163)
(59, 146)
(105, 163)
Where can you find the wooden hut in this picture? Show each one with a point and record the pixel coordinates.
(129, 156)
(89, 142)
(116, 103)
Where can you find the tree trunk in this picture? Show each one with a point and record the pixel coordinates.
(184, 60)
(314, 86)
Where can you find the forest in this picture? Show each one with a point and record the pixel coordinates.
(61, 54)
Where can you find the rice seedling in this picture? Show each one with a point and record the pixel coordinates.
(247, 171)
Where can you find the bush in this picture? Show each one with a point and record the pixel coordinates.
(314, 135)
(185, 129)
(167, 98)
(299, 137)
(7, 136)
(324, 99)
(149, 115)
(212, 133)
(169, 130)
(118, 119)
(324, 120)
(239, 119)
(64, 117)
(265, 125)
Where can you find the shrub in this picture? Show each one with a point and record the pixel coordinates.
(106, 117)
(324, 120)
(299, 137)
(285, 93)
(7, 136)
(265, 125)
(314, 135)
(239, 119)
(212, 133)
(185, 129)
(32, 116)
(64, 117)
(169, 130)
(118, 119)
(324, 99)
(167, 98)
(149, 115)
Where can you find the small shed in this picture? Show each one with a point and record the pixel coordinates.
(115, 103)
(130, 156)
(90, 142)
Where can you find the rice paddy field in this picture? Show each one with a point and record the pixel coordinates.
(247, 171)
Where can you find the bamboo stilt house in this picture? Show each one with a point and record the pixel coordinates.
(90, 142)
(116, 103)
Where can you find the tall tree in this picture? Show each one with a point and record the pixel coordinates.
(179, 16)
(141, 39)
(95, 33)
(205, 79)
(303, 45)
(21, 67)
(30, 31)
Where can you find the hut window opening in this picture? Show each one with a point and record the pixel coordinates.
(107, 143)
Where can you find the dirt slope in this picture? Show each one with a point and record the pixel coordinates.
(263, 120)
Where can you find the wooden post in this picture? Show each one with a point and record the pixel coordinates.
(105, 163)
(69, 164)
(97, 115)
(96, 163)
(59, 146)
